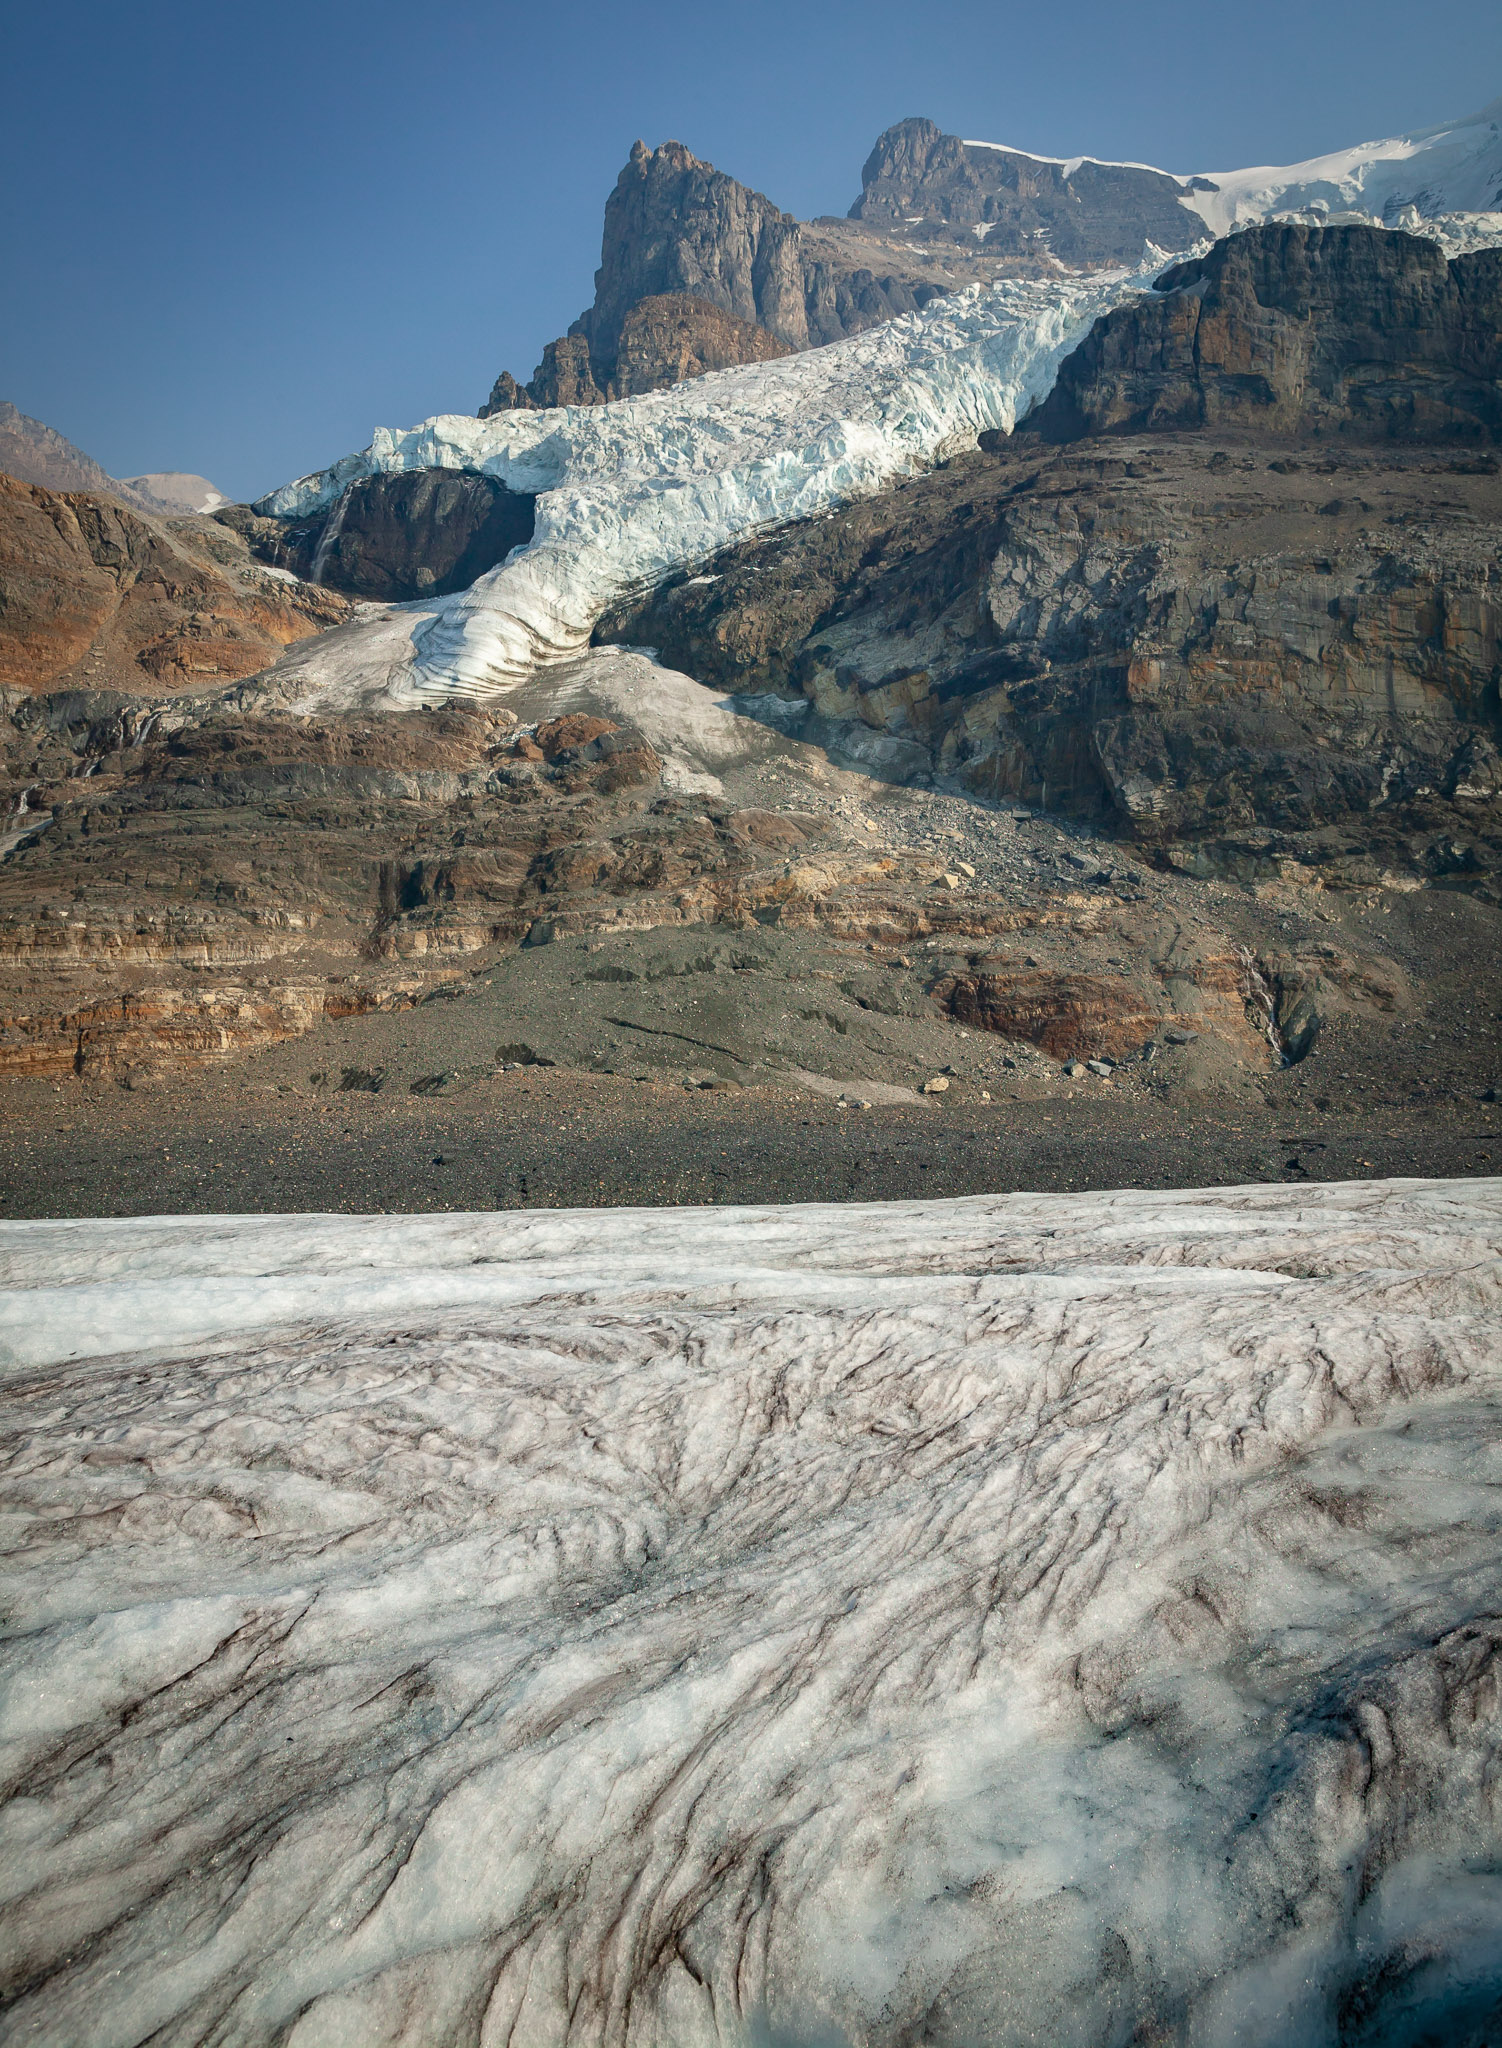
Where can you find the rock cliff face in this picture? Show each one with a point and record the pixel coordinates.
(1281, 650)
(676, 228)
(672, 336)
(676, 225)
(422, 533)
(1298, 330)
(1229, 659)
(1081, 212)
(93, 593)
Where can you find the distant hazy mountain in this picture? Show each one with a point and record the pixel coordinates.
(37, 454)
(176, 490)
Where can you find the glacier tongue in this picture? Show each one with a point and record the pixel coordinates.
(1066, 1619)
(631, 491)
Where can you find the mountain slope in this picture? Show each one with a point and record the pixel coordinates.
(97, 595)
(35, 453)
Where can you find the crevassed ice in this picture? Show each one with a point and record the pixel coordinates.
(631, 491)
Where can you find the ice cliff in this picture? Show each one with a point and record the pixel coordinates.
(1067, 1619)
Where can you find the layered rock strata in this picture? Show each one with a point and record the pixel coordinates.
(190, 885)
(1230, 656)
(1355, 331)
(196, 884)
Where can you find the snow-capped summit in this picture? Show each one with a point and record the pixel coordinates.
(1455, 167)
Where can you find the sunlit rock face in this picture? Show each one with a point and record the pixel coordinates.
(1066, 1619)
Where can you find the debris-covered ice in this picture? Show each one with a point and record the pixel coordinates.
(1067, 1619)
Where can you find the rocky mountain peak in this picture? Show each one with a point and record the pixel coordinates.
(674, 224)
(1077, 212)
(904, 153)
(935, 214)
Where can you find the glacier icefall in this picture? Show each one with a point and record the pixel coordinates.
(633, 490)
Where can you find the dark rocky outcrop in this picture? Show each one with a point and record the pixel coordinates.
(565, 376)
(506, 395)
(1298, 330)
(1238, 661)
(1084, 213)
(390, 538)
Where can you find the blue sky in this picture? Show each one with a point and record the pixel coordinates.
(237, 237)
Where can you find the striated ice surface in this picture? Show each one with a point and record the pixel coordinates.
(1065, 1620)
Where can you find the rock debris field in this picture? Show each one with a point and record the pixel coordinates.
(1065, 1619)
